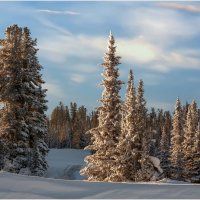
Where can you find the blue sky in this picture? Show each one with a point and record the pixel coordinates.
(160, 41)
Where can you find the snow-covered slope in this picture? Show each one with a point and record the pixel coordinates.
(66, 163)
(62, 165)
(18, 186)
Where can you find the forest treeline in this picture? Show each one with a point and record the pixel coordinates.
(68, 126)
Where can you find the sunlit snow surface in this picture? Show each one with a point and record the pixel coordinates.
(18, 186)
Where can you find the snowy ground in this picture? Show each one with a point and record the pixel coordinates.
(66, 163)
(62, 163)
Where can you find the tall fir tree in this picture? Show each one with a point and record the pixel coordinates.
(14, 130)
(176, 152)
(105, 136)
(185, 111)
(141, 119)
(194, 115)
(36, 119)
(147, 169)
(24, 122)
(196, 157)
(128, 150)
(189, 145)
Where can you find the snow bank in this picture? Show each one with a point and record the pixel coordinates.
(27, 187)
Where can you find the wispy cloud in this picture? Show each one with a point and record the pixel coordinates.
(161, 28)
(150, 47)
(71, 46)
(178, 6)
(56, 12)
(134, 51)
(77, 78)
(50, 25)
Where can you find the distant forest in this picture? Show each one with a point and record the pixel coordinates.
(68, 126)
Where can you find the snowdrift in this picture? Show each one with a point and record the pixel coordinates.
(64, 164)
(27, 187)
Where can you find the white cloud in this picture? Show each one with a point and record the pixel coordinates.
(133, 50)
(146, 54)
(52, 26)
(161, 27)
(137, 50)
(149, 48)
(179, 6)
(63, 47)
(56, 12)
(181, 60)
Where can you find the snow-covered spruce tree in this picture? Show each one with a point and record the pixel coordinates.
(177, 134)
(196, 157)
(194, 115)
(189, 149)
(147, 169)
(14, 130)
(23, 121)
(36, 105)
(185, 111)
(141, 119)
(128, 151)
(105, 136)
